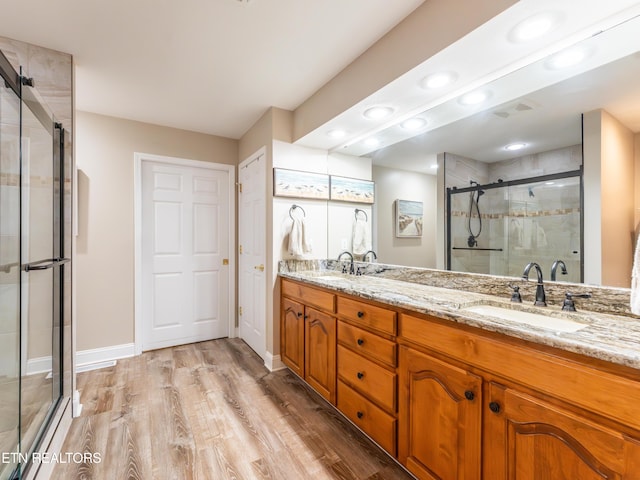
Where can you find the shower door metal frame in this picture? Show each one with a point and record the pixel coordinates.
(509, 183)
(15, 82)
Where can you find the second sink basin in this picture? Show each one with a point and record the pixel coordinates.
(528, 318)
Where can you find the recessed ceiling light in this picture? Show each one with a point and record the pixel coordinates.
(438, 80)
(336, 133)
(415, 123)
(549, 183)
(534, 27)
(515, 146)
(474, 98)
(372, 142)
(567, 58)
(376, 113)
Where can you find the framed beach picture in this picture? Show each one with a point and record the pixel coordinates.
(352, 190)
(408, 218)
(292, 183)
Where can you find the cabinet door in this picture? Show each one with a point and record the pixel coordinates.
(320, 353)
(528, 439)
(439, 429)
(292, 335)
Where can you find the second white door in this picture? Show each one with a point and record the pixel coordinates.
(252, 239)
(185, 251)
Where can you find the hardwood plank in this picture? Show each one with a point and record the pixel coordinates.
(212, 411)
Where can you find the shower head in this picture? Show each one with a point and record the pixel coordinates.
(531, 194)
(480, 192)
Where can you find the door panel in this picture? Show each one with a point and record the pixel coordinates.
(440, 418)
(292, 336)
(185, 223)
(9, 276)
(527, 439)
(320, 352)
(252, 255)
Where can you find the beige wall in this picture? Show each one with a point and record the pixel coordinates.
(617, 202)
(105, 244)
(394, 184)
(414, 40)
(609, 172)
(636, 217)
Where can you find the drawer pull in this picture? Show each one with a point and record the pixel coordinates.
(360, 375)
(469, 395)
(494, 407)
(360, 341)
(299, 314)
(360, 414)
(360, 314)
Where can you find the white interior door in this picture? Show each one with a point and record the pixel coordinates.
(185, 250)
(252, 239)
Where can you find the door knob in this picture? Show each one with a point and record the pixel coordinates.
(259, 267)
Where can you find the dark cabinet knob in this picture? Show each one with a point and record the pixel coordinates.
(469, 395)
(306, 316)
(360, 414)
(360, 375)
(494, 407)
(360, 314)
(299, 314)
(360, 341)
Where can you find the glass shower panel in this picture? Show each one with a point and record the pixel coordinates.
(9, 279)
(545, 226)
(499, 228)
(40, 284)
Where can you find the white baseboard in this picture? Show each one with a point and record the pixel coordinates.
(39, 365)
(273, 362)
(104, 354)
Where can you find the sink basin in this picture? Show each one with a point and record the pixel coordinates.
(528, 318)
(329, 278)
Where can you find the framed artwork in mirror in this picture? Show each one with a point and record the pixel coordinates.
(408, 218)
(293, 183)
(352, 190)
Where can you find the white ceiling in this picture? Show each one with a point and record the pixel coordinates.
(211, 66)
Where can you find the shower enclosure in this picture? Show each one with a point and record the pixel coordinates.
(34, 269)
(500, 227)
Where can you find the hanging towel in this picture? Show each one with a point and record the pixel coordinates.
(361, 237)
(299, 238)
(541, 236)
(635, 280)
(516, 233)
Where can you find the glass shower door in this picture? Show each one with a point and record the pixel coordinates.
(41, 259)
(9, 279)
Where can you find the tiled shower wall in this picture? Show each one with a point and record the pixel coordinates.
(541, 224)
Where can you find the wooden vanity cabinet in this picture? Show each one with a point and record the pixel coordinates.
(453, 402)
(440, 415)
(367, 360)
(542, 416)
(527, 438)
(308, 336)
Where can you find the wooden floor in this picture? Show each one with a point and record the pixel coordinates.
(212, 411)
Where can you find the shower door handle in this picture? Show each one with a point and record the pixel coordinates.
(45, 264)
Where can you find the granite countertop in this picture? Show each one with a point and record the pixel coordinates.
(607, 337)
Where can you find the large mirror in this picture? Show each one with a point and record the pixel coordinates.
(577, 110)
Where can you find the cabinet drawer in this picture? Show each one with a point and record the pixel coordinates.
(367, 344)
(368, 316)
(371, 380)
(373, 421)
(309, 295)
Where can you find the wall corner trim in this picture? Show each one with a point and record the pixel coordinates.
(273, 362)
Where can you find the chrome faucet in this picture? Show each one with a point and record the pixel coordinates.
(554, 267)
(541, 300)
(351, 268)
(364, 257)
